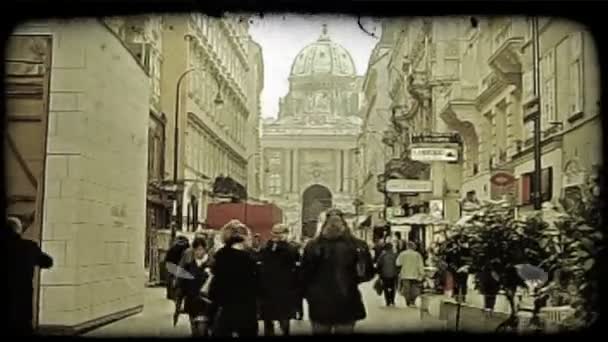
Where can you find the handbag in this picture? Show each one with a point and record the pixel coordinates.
(379, 286)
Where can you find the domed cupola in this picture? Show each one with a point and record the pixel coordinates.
(323, 57)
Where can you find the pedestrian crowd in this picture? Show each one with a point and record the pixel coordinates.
(227, 291)
(228, 283)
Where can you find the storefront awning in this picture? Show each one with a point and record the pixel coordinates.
(423, 219)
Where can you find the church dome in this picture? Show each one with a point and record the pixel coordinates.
(323, 57)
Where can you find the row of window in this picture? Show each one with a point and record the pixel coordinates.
(221, 45)
(561, 93)
(209, 158)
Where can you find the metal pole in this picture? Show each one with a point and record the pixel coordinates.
(176, 152)
(537, 118)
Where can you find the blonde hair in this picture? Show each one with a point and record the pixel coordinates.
(234, 232)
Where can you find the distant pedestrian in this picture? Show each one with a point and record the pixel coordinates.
(412, 273)
(188, 288)
(234, 287)
(300, 300)
(334, 265)
(378, 249)
(388, 273)
(22, 257)
(489, 287)
(278, 281)
(173, 257)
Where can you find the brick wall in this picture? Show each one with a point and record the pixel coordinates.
(94, 217)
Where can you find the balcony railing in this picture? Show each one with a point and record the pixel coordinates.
(488, 81)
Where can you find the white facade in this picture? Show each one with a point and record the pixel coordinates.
(96, 168)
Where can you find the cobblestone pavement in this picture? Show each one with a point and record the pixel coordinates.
(156, 319)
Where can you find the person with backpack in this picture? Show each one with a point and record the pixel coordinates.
(333, 266)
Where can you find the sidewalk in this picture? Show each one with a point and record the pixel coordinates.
(156, 319)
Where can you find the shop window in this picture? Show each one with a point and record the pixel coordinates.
(527, 186)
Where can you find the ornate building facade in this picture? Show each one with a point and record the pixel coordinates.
(473, 76)
(310, 149)
(373, 154)
(486, 102)
(214, 106)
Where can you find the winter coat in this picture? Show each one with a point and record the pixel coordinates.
(412, 265)
(175, 253)
(487, 284)
(189, 289)
(278, 280)
(387, 265)
(22, 256)
(329, 277)
(233, 289)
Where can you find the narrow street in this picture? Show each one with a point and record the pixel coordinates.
(156, 319)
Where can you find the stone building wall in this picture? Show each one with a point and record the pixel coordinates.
(96, 171)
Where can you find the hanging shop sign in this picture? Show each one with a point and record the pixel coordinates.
(439, 153)
(409, 185)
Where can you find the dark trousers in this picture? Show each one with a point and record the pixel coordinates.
(300, 309)
(338, 329)
(225, 329)
(410, 289)
(199, 328)
(269, 327)
(390, 285)
(489, 302)
(460, 289)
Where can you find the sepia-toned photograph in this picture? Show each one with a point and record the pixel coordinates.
(242, 175)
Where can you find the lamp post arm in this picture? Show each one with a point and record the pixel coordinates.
(176, 125)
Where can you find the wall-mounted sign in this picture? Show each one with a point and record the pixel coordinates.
(409, 185)
(502, 178)
(425, 153)
(436, 208)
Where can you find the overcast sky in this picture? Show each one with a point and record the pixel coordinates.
(282, 37)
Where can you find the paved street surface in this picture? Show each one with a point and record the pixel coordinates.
(156, 319)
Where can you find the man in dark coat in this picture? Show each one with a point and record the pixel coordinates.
(174, 256)
(389, 273)
(23, 257)
(334, 265)
(278, 282)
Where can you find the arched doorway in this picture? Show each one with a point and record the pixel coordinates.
(315, 200)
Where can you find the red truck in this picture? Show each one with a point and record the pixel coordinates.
(258, 217)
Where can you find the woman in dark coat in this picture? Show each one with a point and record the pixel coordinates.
(233, 289)
(278, 291)
(188, 289)
(334, 265)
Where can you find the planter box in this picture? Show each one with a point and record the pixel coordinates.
(472, 319)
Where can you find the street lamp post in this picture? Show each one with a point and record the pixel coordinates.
(537, 117)
(218, 101)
